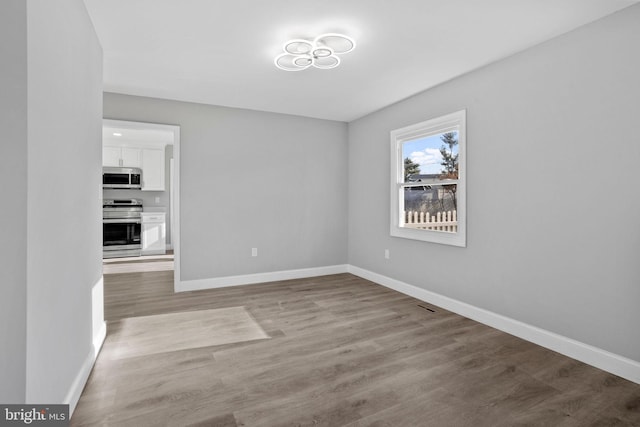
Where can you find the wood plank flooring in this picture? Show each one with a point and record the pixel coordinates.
(343, 352)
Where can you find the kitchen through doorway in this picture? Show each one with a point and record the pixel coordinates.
(147, 154)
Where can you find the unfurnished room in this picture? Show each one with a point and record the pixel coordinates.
(320, 213)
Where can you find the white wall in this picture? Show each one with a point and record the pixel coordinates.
(64, 240)
(13, 193)
(252, 179)
(553, 230)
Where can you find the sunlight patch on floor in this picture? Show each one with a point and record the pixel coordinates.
(139, 336)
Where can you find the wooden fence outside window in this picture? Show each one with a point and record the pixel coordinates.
(442, 221)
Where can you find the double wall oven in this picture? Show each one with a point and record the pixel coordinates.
(121, 227)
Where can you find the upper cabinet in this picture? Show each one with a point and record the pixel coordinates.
(129, 157)
(148, 158)
(111, 156)
(153, 169)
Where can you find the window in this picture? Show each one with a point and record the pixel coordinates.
(428, 180)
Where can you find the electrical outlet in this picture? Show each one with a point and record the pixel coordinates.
(387, 255)
(254, 251)
(157, 200)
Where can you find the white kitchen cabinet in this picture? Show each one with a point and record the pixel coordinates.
(121, 156)
(149, 159)
(131, 157)
(153, 169)
(153, 233)
(111, 156)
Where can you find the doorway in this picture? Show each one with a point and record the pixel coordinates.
(120, 133)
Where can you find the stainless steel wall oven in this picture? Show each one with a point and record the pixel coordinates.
(121, 227)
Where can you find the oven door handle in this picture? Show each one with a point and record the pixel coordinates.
(121, 221)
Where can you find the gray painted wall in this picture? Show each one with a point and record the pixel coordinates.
(13, 219)
(252, 179)
(552, 170)
(64, 238)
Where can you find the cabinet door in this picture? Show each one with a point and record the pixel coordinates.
(131, 157)
(111, 156)
(153, 238)
(152, 169)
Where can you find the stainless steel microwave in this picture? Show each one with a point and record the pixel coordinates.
(124, 178)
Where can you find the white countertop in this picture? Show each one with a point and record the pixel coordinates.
(154, 209)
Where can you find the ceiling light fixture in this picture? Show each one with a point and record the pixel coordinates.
(300, 54)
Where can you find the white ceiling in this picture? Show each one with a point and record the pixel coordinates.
(114, 134)
(221, 51)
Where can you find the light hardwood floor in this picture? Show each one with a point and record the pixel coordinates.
(342, 352)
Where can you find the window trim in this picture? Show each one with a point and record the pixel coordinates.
(437, 125)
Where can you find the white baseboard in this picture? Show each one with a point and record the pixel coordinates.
(73, 396)
(602, 359)
(248, 279)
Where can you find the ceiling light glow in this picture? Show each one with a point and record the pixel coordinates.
(298, 46)
(321, 52)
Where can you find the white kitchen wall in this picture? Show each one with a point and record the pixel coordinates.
(13, 193)
(252, 179)
(552, 174)
(64, 238)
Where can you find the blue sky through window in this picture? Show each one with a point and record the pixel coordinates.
(426, 153)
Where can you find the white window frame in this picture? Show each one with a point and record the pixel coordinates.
(447, 123)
